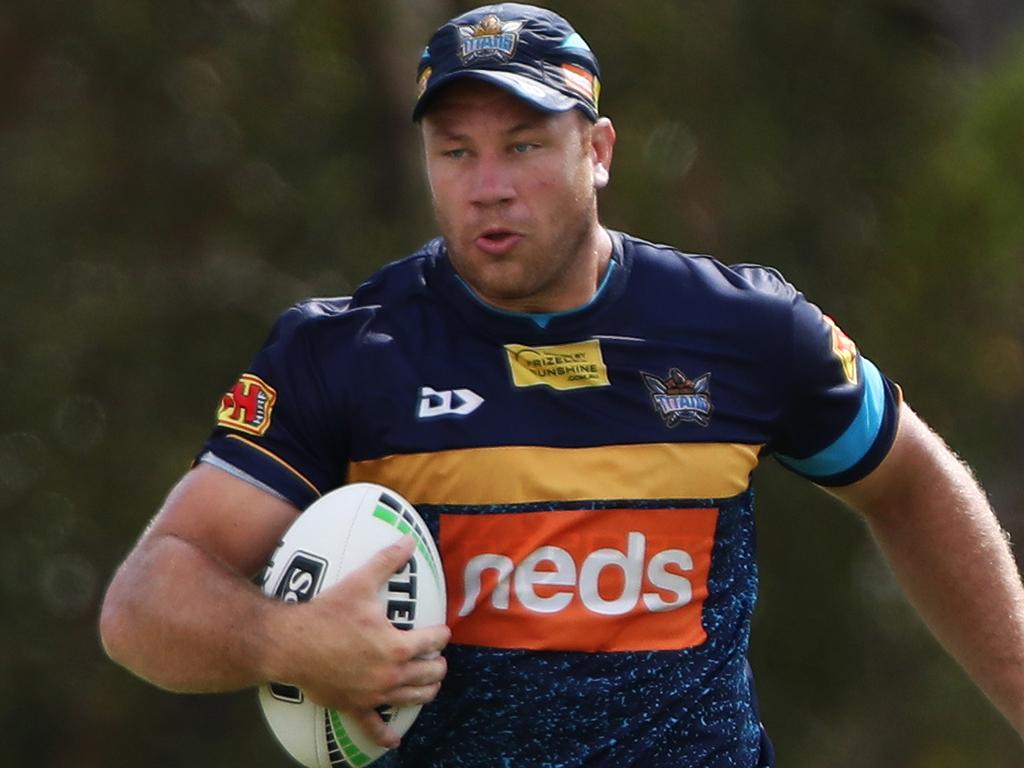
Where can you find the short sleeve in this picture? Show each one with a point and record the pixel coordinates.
(280, 424)
(842, 412)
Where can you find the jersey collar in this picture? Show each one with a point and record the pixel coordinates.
(504, 324)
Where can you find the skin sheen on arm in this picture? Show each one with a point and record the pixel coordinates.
(186, 583)
(946, 548)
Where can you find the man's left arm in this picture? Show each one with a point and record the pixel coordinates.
(942, 540)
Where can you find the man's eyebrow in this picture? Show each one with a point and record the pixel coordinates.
(450, 134)
(526, 125)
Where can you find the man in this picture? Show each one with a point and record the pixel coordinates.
(576, 414)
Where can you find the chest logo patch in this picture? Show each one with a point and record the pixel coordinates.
(579, 580)
(677, 399)
(562, 366)
(447, 402)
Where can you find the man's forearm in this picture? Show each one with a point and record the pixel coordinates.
(969, 559)
(952, 558)
(178, 618)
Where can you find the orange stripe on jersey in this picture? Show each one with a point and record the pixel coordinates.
(522, 473)
(579, 580)
(279, 460)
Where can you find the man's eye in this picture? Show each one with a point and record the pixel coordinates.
(455, 154)
(524, 146)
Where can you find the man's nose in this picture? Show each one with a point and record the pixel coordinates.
(492, 182)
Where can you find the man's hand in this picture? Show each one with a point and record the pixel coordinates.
(352, 658)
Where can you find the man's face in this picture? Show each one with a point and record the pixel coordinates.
(514, 193)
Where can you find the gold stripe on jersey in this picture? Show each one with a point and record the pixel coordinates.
(519, 474)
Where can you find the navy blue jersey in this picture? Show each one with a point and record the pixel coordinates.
(587, 477)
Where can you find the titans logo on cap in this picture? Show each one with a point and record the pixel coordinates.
(530, 52)
(490, 38)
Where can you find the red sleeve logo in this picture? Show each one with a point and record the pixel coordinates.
(247, 405)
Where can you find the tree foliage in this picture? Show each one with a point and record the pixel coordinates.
(172, 175)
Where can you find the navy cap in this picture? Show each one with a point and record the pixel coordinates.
(531, 52)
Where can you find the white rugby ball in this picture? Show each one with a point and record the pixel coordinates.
(335, 535)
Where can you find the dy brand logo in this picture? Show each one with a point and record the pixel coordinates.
(447, 402)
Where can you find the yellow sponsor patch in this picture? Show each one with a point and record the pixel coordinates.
(563, 366)
(844, 349)
(247, 405)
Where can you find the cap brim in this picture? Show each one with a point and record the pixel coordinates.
(543, 97)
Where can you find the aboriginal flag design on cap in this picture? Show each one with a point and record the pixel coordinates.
(531, 52)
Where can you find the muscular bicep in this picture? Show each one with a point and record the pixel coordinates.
(919, 466)
(227, 518)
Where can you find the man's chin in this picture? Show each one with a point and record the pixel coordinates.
(504, 292)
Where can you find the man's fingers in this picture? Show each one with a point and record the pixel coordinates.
(414, 694)
(421, 672)
(427, 642)
(389, 560)
(376, 728)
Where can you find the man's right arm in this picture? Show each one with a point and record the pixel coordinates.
(183, 613)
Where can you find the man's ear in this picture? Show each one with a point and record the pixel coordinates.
(602, 142)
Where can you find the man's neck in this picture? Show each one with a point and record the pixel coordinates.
(589, 270)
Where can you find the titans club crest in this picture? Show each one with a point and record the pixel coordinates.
(491, 38)
(677, 399)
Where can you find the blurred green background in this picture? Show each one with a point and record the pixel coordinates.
(173, 175)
